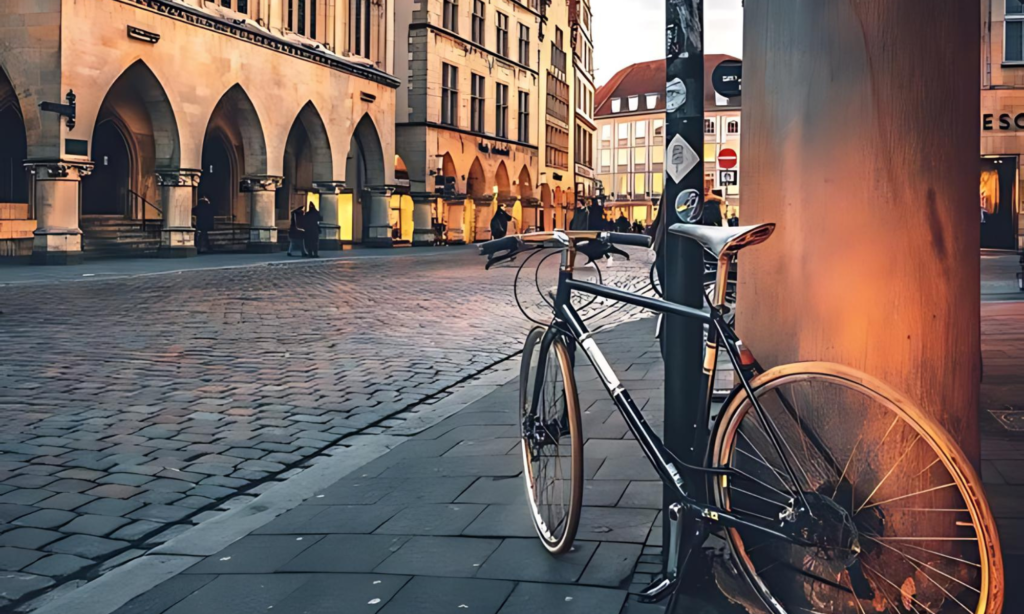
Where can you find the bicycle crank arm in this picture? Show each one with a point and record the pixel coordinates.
(685, 539)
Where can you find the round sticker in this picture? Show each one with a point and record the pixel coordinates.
(687, 205)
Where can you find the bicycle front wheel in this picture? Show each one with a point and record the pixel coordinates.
(894, 508)
(552, 440)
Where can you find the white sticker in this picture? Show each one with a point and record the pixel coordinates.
(680, 158)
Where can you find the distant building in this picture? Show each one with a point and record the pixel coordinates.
(1002, 124)
(630, 147)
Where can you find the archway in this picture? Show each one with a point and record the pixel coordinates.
(547, 210)
(476, 181)
(364, 169)
(106, 191)
(527, 205)
(307, 159)
(401, 215)
(501, 181)
(135, 135)
(234, 147)
(479, 196)
(13, 146)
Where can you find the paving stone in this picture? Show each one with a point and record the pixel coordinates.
(335, 593)
(86, 546)
(30, 481)
(441, 595)
(100, 526)
(81, 474)
(15, 585)
(15, 559)
(65, 501)
(529, 598)
(114, 491)
(136, 530)
(25, 496)
(492, 466)
(504, 491)
(343, 519)
(626, 468)
(293, 521)
(261, 465)
(222, 482)
(646, 495)
(210, 492)
(427, 490)
(29, 538)
(10, 511)
(165, 594)
(158, 497)
(194, 503)
(440, 556)
(210, 469)
(430, 519)
(110, 507)
(362, 554)
(527, 560)
(615, 524)
(120, 559)
(166, 535)
(58, 565)
(256, 554)
(240, 594)
(359, 491)
(46, 519)
(503, 521)
(612, 565)
(161, 513)
(69, 485)
(125, 479)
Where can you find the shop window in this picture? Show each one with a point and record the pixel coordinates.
(709, 126)
(733, 127)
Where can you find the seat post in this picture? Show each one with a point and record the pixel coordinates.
(722, 279)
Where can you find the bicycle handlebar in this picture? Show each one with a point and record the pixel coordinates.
(517, 242)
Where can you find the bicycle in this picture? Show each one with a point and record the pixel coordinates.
(834, 492)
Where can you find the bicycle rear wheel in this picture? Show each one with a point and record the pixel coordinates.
(552, 440)
(898, 518)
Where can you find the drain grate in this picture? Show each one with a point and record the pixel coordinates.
(1010, 419)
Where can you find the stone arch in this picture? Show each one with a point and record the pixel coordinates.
(364, 169)
(13, 146)
(234, 146)
(476, 181)
(307, 160)
(501, 181)
(525, 184)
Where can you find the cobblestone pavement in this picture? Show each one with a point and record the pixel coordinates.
(133, 407)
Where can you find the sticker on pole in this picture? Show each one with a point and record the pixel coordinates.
(681, 158)
(689, 206)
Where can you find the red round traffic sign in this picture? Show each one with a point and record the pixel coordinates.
(727, 159)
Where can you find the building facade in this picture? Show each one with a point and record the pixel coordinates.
(558, 151)
(583, 94)
(630, 140)
(467, 120)
(261, 106)
(1002, 124)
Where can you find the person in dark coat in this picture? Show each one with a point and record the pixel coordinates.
(203, 212)
(579, 218)
(295, 242)
(499, 223)
(712, 215)
(311, 231)
(638, 228)
(597, 221)
(622, 223)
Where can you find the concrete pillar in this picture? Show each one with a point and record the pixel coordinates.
(57, 239)
(861, 140)
(330, 235)
(422, 218)
(379, 209)
(455, 221)
(177, 190)
(262, 191)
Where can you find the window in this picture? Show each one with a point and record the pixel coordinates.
(623, 157)
(709, 126)
(478, 21)
(1014, 34)
(449, 95)
(501, 111)
(659, 131)
(657, 157)
(657, 181)
(639, 184)
(652, 101)
(733, 127)
(606, 133)
(623, 185)
(557, 52)
(502, 28)
(557, 152)
(361, 15)
(634, 103)
(616, 105)
(641, 132)
(524, 45)
(451, 15)
(623, 134)
(606, 159)
(476, 105)
(242, 6)
(640, 158)
(524, 117)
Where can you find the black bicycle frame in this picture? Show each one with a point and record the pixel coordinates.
(690, 483)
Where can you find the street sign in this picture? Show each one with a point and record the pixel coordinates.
(681, 158)
(728, 178)
(727, 79)
(727, 159)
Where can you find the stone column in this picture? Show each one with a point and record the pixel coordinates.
(57, 240)
(262, 191)
(422, 218)
(456, 222)
(380, 224)
(177, 188)
(330, 235)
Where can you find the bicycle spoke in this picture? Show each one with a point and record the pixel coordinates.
(913, 560)
(765, 461)
(913, 494)
(895, 465)
(847, 467)
(898, 589)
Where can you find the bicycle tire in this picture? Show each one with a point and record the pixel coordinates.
(884, 515)
(558, 537)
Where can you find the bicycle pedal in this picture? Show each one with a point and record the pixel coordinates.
(659, 590)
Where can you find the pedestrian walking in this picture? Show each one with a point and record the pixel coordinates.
(296, 246)
(712, 215)
(596, 216)
(499, 223)
(622, 223)
(203, 211)
(638, 228)
(311, 231)
(579, 218)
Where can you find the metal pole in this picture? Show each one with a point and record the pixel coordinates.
(684, 267)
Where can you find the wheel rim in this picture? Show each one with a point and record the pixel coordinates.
(923, 535)
(547, 449)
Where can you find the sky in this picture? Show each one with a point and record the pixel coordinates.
(631, 31)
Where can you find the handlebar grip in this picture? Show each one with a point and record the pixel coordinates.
(622, 238)
(499, 245)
